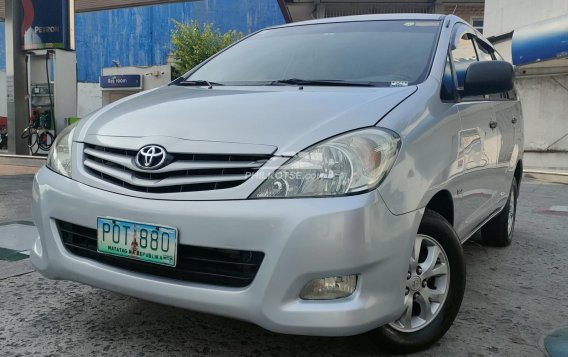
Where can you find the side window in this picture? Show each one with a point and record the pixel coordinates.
(462, 55)
(484, 53)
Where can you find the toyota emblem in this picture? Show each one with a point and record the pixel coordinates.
(151, 157)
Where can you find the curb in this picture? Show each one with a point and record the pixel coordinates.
(22, 160)
(548, 175)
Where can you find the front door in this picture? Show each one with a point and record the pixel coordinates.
(480, 142)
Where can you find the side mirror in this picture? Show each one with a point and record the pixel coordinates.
(488, 77)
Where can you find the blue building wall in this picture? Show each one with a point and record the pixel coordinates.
(140, 36)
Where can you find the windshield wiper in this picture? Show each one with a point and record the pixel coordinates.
(321, 82)
(197, 82)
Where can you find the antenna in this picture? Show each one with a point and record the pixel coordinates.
(455, 8)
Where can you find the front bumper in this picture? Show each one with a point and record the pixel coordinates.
(303, 239)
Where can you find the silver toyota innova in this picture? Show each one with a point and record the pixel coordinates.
(314, 178)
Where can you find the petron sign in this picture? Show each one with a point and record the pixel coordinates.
(48, 24)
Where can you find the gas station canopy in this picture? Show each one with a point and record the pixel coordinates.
(540, 48)
(542, 44)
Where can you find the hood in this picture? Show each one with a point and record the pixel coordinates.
(285, 117)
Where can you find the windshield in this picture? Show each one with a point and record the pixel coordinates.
(382, 53)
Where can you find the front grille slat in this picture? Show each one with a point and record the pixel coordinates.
(213, 261)
(76, 246)
(127, 163)
(79, 234)
(214, 266)
(186, 172)
(132, 179)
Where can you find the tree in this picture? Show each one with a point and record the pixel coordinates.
(193, 43)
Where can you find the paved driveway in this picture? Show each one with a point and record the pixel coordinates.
(513, 297)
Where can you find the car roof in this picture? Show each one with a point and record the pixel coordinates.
(356, 18)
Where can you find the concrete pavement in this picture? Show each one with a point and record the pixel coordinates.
(514, 297)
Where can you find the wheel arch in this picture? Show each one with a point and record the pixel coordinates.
(443, 204)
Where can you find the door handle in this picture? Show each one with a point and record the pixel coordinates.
(492, 124)
(514, 120)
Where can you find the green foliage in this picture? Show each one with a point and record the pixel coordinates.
(193, 43)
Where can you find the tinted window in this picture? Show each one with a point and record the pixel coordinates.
(387, 53)
(486, 54)
(483, 52)
(463, 54)
(489, 54)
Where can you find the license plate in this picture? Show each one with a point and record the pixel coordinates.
(140, 241)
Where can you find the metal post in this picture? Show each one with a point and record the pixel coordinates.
(16, 86)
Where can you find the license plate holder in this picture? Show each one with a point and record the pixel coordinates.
(146, 242)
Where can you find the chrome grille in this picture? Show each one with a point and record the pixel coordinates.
(185, 173)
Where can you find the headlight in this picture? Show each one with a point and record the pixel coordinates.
(59, 159)
(354, 162)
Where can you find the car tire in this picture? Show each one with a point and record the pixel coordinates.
(498, 232)
(399, 339)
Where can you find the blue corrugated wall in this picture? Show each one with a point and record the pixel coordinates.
(140, 36)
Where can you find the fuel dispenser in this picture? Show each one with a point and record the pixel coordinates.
(47, 44)
(52, 95)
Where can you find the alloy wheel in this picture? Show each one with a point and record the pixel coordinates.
(427, 285)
